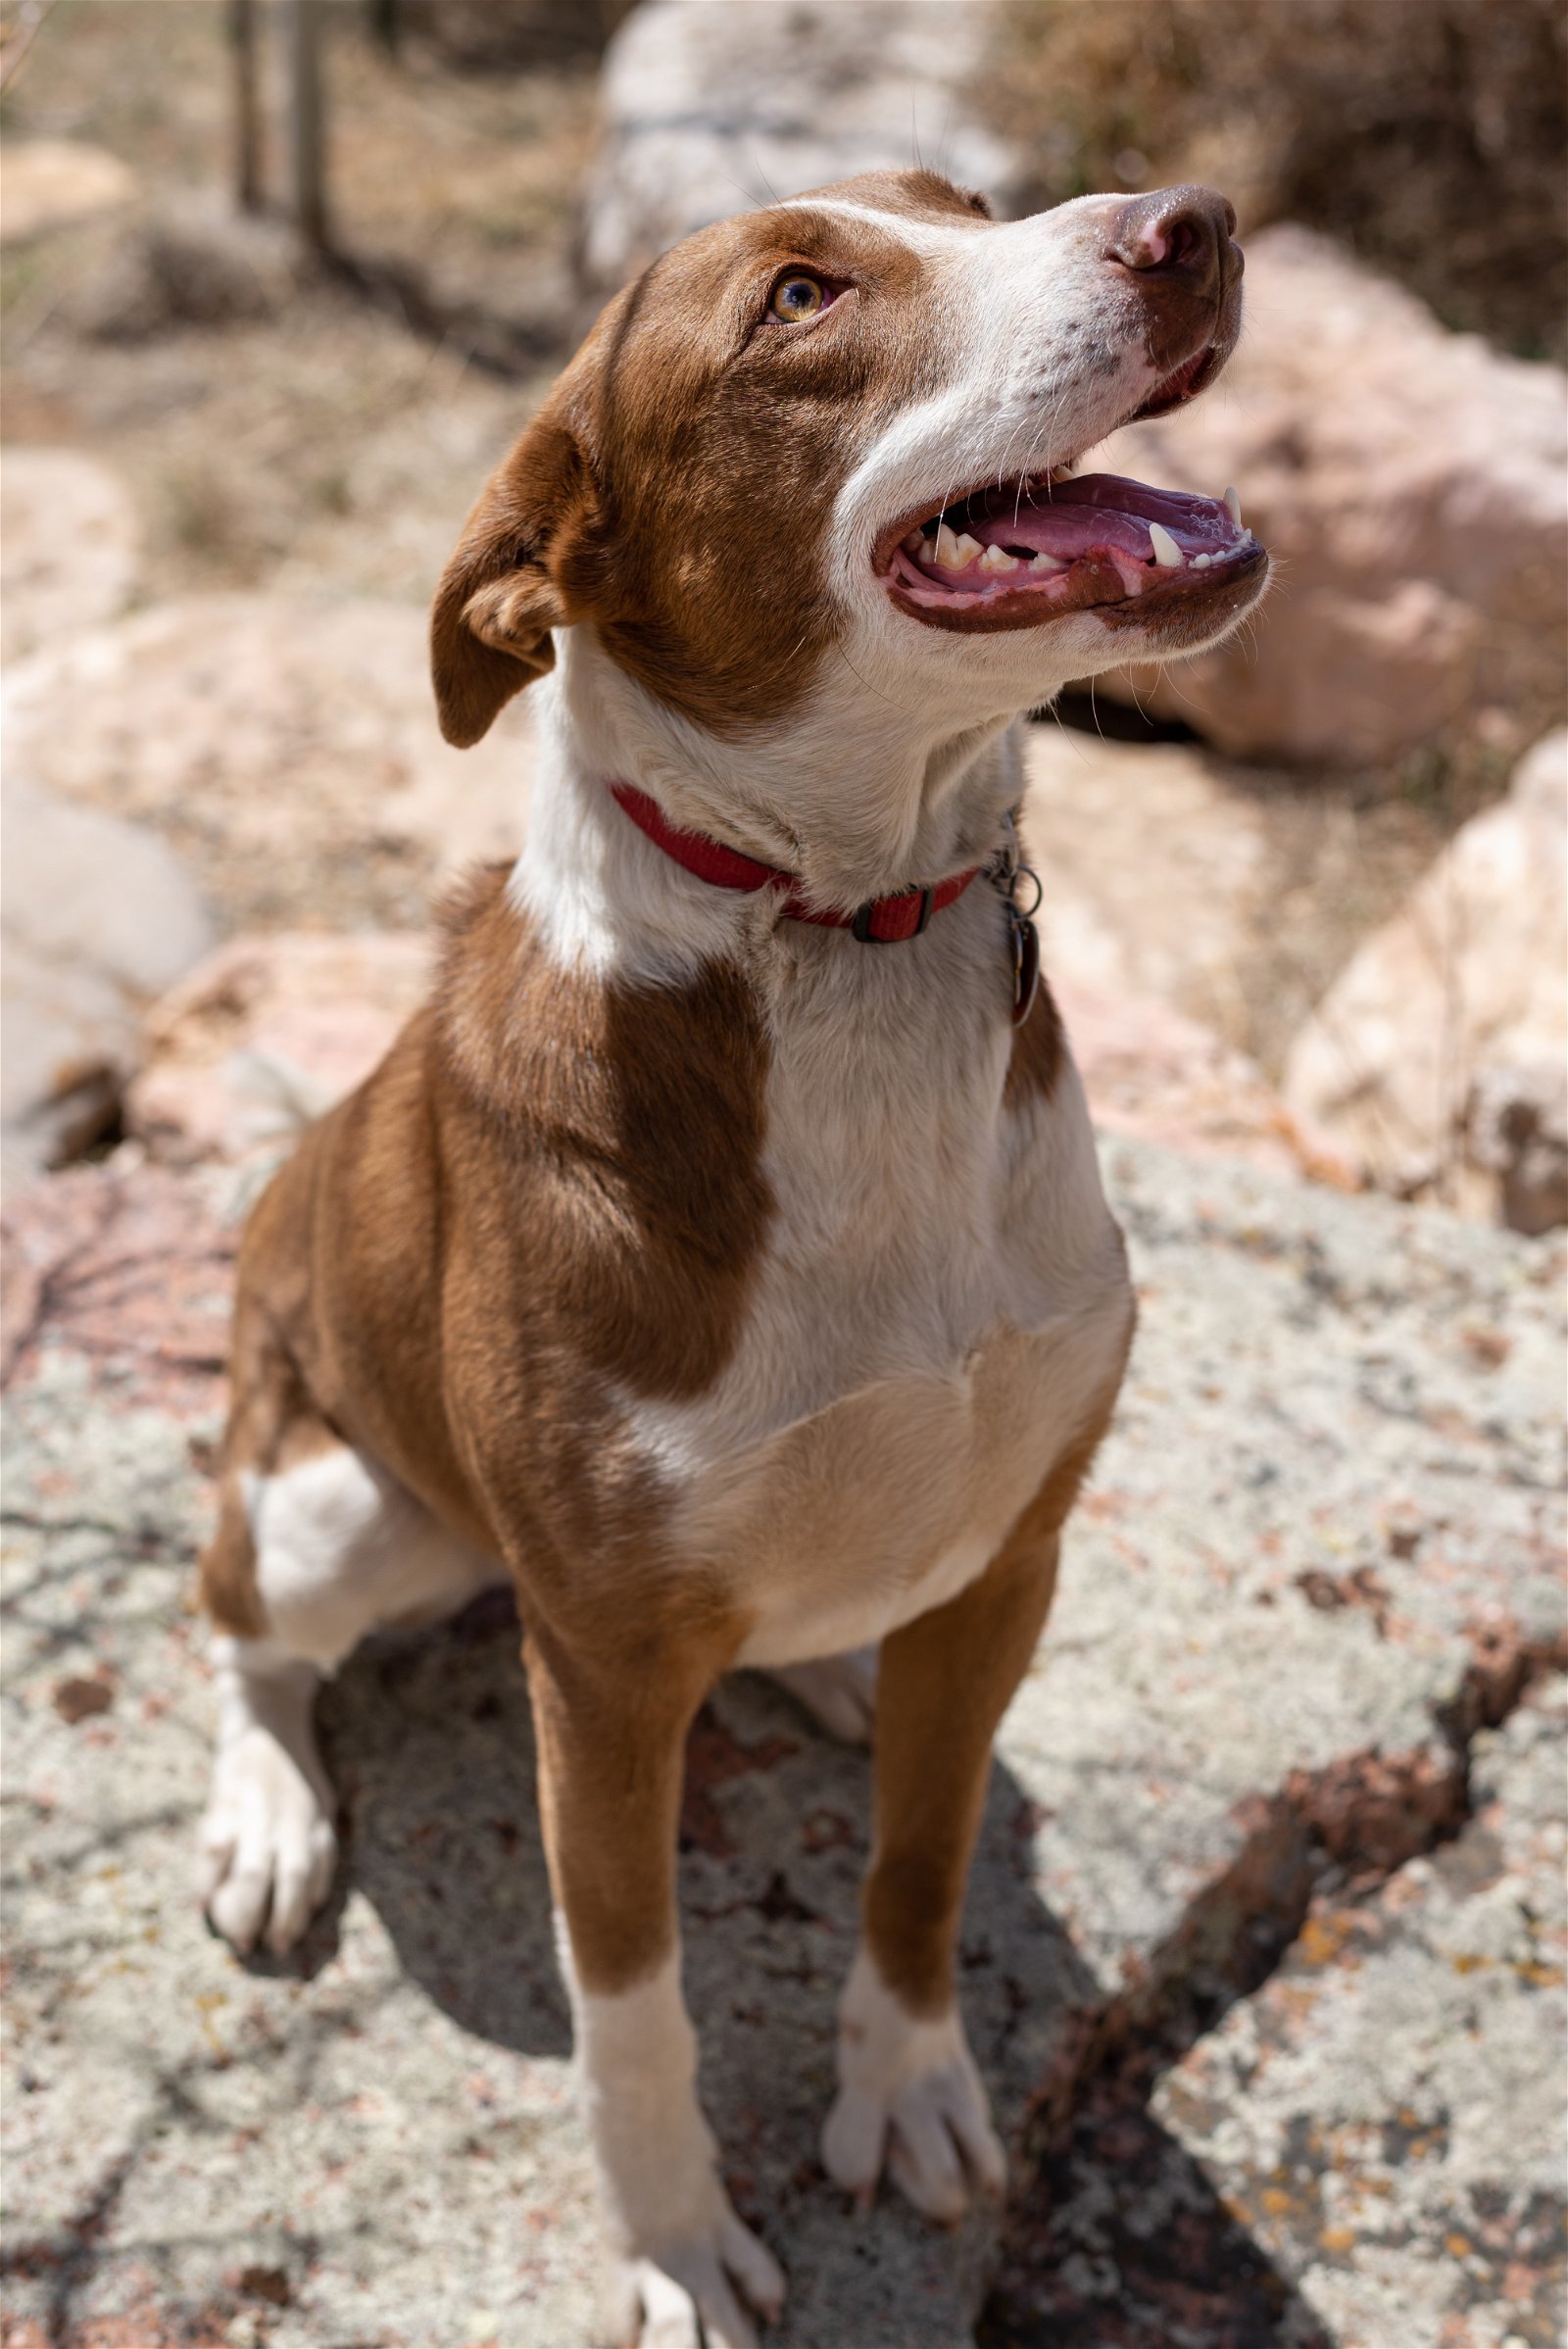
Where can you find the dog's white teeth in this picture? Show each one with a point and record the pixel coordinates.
(946, 550)
(914, 544)
(997, 558)
(965, 549)
(1233, 507)
(1201, 563)
(1167, 554)
(1048, 562)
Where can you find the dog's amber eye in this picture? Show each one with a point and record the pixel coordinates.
(796, 297)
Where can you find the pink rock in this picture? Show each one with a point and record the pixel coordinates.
(1447, 1030)
(265, 1034)
(1409, 482)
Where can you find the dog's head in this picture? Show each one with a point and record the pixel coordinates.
(834, 440)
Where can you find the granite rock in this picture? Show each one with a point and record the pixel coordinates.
(1385, 2115)
(69, 545)
(97, 915)
(268, 1032)
(48, 184)
(706, 109)
(1410, 482)
(287, 747)
(1326, 1526)
(1436, 1059)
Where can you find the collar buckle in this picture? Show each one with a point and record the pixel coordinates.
(864, 916)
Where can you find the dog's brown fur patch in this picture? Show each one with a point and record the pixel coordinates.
(689, 448)
(547, 1197)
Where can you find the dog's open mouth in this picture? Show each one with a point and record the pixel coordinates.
(1017, 556)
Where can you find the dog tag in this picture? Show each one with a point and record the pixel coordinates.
(1025, 964)
(1006, 871)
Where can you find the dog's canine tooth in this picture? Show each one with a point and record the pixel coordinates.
(1167, 554)
(997, 558)
(1233, 507)
(946, 550)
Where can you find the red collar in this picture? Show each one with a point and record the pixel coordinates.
(880, 922)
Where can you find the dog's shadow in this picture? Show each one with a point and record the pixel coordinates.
(430, 1745)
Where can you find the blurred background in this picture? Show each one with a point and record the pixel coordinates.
(281, 281)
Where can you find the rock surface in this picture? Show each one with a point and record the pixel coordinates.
(1323, 1539)
(1436, 1058)
(69, 545)
(50, 183)
(1410, 483)
(1384, 2113)
(1151, 868)
(288, 748)
(711, 110)
(267, 1033)
(96, 917)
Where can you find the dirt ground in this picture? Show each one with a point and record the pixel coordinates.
(282, 428)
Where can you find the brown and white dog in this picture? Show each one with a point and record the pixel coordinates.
(740, 1285)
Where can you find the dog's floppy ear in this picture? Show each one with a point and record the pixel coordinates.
(505, 588)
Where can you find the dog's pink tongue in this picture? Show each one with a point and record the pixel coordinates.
(1107, 511)
(1066, 531)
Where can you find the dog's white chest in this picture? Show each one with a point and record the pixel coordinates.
(937, 1320)
(890, 1501)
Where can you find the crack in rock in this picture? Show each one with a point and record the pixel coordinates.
(1347, 1827)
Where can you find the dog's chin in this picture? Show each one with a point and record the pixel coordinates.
(1176, 570)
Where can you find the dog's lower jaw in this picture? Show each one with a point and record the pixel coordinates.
(683, 2255)
(909, 2101)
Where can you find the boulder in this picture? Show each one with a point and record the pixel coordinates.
(69, 545)
(287, 747)
(1151, 865)
(97, 918)
(1153, 875)
(267, 1033)
(1151, 1071)
(709, 109)
(1436, 1059)
(1410, 482)
(50, 183)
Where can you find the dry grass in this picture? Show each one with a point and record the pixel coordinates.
(1428, 134)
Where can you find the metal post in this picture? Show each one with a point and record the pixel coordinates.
(310, 177)
(247, 106)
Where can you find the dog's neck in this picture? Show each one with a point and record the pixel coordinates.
(855, 796)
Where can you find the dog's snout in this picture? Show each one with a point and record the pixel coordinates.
(1179, 232)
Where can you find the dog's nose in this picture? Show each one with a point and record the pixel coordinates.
(1180, 233)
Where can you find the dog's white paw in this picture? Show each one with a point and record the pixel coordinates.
(838, 1691)
(911, 2103)
(266, 1845)
(705, 2289)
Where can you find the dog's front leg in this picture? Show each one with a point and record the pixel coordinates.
(910, 2097)
(612, 1747)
